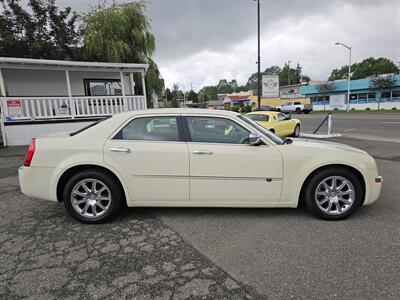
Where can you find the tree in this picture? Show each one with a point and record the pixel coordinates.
(168, 94)
(208, 93)
(41, 31)
(192, 96)
(295, 75)
(326, 87)
(233, 85)
(223, 87)
(121, 33)
(382, 83)
(367, 68)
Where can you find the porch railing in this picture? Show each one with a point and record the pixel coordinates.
(31, 108)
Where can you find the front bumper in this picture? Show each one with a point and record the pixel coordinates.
(373, 188)
(37, 182)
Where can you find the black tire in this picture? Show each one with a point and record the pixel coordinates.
(310, 193)
(278, 109)
(116, 195)
(296, 131)
(272, 130)
(298, 110)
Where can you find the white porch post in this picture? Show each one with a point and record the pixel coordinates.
(2, 108)
(144, 90)
(2, 85)
(121, 74)
(71, 101)
(132, 82)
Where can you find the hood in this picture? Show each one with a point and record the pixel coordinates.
(324, 145)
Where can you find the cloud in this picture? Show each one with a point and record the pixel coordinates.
(202, 41)
(301, 34)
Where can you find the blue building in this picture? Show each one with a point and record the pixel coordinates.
(362, 96)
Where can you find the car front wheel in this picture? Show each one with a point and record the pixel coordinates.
(333, 194)
(92, 197)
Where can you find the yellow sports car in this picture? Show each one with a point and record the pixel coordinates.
(277, 122)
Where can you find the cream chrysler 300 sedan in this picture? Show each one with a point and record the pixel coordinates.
(185, 157)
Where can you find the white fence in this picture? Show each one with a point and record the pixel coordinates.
(361, 106)
(32, 108)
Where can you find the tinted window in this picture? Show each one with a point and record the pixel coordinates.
(297, 103)
(259, 117)
(151, 129)
(216, 130)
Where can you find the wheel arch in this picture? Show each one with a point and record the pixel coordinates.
(356, 172)
(78, 168)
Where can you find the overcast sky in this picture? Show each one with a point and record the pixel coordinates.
(202, 41)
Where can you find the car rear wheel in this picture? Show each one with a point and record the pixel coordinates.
(333, 194)
(92, 197)
(298, 110)
(296, 132)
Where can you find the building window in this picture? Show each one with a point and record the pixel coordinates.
(103, 87)
(362, 98)
(386, 96)
(396, 95)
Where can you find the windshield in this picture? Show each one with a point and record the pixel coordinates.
(264, 131)
(258, 117)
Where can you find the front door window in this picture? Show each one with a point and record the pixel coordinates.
(216, 130)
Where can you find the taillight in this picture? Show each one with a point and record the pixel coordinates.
(29, 154)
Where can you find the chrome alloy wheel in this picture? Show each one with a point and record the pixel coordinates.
(91, 198)
(334, 195)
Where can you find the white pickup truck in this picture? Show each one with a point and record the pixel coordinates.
(294, 107)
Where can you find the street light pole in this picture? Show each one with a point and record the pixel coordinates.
(348, 76)
(258, 60)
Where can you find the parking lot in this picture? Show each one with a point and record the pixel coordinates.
(179, 253)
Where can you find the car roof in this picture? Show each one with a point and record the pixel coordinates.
(177, 111)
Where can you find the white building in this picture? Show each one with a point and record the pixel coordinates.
(66, 94)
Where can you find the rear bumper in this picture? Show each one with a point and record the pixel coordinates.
(37, 182)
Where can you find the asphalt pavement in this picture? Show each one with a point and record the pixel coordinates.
(171, 253)
(364, 126)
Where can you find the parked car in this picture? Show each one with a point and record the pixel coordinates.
(196, 158)
(294, 107)
(280, 124)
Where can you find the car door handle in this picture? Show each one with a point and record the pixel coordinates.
(118, 149)
(202, 152)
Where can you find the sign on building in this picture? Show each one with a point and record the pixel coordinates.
(270, 86)
(14, 108)
(337, 101)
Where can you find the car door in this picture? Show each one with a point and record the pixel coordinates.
(224, 168)
(152, 156)
(284, 125)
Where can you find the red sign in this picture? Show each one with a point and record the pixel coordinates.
(14, 108)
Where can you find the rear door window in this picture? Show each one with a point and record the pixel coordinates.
(151, 129)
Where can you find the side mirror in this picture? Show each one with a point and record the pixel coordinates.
(288, 117)
(254, 139)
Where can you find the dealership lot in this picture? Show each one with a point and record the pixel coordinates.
(210, 253)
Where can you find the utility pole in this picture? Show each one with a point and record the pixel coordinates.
(258, 60)
(348, 77)
(288, 64)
